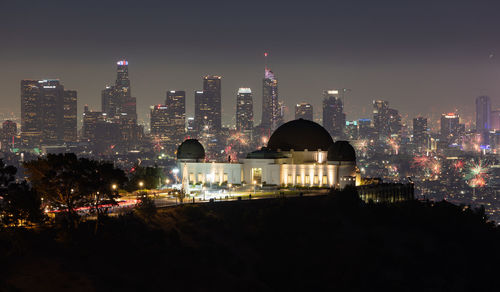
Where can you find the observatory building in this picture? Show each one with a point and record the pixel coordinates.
(299, 153)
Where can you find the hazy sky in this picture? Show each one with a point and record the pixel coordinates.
(424, 57)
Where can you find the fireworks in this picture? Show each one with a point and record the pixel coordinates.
(477, 175)
(430, 165)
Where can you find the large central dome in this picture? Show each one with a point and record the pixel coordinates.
(300, 135)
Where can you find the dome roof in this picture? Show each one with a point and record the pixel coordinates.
(341, 151)
(191, 149)
(300, 135)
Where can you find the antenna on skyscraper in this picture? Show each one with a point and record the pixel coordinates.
(265, 60)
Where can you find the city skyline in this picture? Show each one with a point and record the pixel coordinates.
(411, 64)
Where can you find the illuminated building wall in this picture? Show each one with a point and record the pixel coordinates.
(333, 112)
(304, 111)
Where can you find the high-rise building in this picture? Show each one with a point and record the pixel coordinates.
(70, 131)
(450, 128)
(495, 120)
(191, 128)
(160, 123)
(7, 135)
(394, 120)
(381, 118)
(212, 102)
(271, 109)
(483, 114)
(420, 133)
(304, 111)
(31, 119)
(351, 130)
(176, 109)
(110, 102)
(333, 112)
(244, 110)
(91, 122)
(365, 129)
(43, 112)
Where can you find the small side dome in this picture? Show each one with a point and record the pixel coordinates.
(341, 151)
(191, 149)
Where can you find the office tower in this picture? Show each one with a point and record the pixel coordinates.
(91, 121)
(30, 112)
(191, 128)
(52, 105)
(304, 111)
(200, 109)
(450, 128)
(7, 135)
(394, 120)
(42, 112)
(117, 100)
(495, 120)
(381, 118)
(160, 123)
(483, 114)
(212, 102)
(420, 133)
(244, 110)
(351, 130)
(333, 112)
(176, 112)
(70, 132)
(110, 102)
(271, 109)
(365, 129)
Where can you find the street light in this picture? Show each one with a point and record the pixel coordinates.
(141, 184)
(114, 186)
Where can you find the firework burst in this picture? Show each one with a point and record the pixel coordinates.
(477, 174)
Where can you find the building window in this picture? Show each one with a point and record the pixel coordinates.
(325, 180)
(200, 177)
(316, 180)
(290, 180)
(191, 178)
(307, 180)
(224, 178)
(298, 180)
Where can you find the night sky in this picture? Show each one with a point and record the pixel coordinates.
(424, 57)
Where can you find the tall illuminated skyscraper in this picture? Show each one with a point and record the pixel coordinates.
(176, 109)
(420, 133)
(31, 119)
(333, 112)
(271, 107)
(43, 110)
(381, 118)
(213, 103)
(304, 111)
(244, 110)
(483, 113)
(160, 123)
(450, 128)
(70, 112)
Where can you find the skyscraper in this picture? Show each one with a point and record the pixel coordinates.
(43, 112)
(160, 123)
(9, 131)
(31, 119)
(244, 110)
(212, 100)
(381, 118)
(394, 120)
(495, 120)
(304, 111)
(271, 109)
(333, 112)
(110, 103)
(420, 133)
(70, 132)
(483, 114)
(450, 128)
(176, 111)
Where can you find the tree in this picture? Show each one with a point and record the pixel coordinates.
(22, 205)
(60, 180)
(7, 176)
(145, 207)
(103, 181)
(151, 178)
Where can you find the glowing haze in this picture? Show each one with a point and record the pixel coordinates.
(424, 57)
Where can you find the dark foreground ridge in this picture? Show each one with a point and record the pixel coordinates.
(298, 244)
